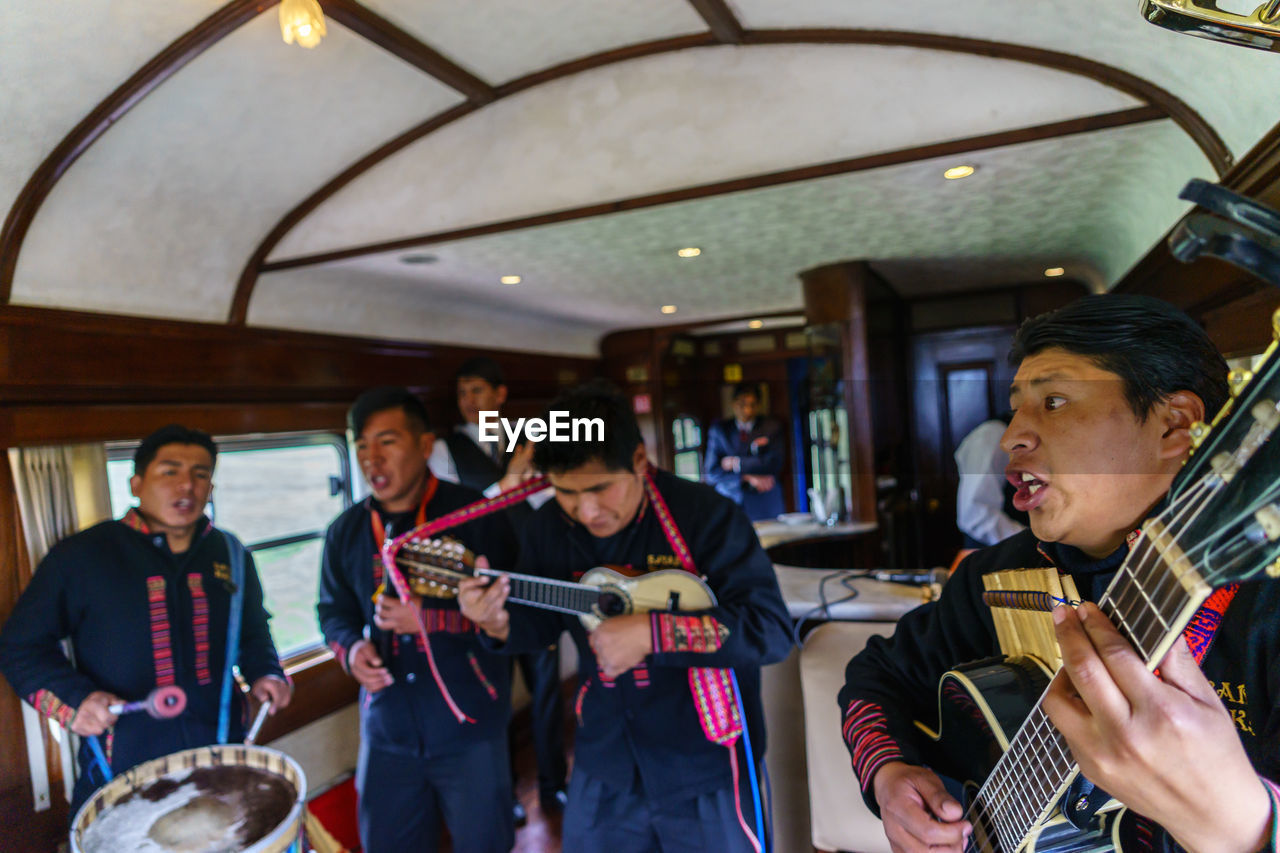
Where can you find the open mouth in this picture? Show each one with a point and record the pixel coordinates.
(378, 482)
(1030, 490)
(184, 505)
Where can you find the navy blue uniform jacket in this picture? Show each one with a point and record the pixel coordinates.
(93, 588)
(761, 453)
(653, 731)
(411, 716)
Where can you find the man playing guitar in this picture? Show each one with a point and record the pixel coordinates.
(1105, 396)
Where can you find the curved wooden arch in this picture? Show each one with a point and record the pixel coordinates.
(163, 66)
(1167, 103)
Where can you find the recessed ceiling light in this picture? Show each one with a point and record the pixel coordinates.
(957, 172)
(755, 324)
(668, 309)
(510, 279)
(689, 252)
(1054, 272)
(418, 259)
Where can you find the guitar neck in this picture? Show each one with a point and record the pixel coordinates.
(1153, 597)
(548, 593)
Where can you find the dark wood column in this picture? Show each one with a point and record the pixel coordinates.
(848, 294)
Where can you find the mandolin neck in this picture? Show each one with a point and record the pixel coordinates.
(548, 593)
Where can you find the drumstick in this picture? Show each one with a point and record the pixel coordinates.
(163, 703)
(257, 722)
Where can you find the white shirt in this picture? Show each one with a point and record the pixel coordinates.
(980, 497)
(441, 464)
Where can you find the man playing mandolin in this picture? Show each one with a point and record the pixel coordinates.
(1106, 393)
(660, 744)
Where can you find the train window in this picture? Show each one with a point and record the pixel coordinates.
(687, 441)
(276, 493)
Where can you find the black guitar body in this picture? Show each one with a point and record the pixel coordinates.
(980, 707)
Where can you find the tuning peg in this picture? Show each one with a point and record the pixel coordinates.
(1237, 380)
(1199, 432)
(1265, 413)
(1273, 570)
(1275, 324)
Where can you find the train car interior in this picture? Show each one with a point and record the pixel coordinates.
(240, 215)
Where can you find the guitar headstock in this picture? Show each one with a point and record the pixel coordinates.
(434, 564)
(1226, 499)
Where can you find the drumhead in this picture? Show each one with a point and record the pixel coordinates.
(212, 799)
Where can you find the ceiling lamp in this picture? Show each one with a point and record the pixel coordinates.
(510, 279)
(668, 309)
(689, 252)
(1054, 272)
(955, 173)
(756, 324)
(301, 21)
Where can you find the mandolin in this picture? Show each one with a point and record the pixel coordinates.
(1221, 525)
(603, 592)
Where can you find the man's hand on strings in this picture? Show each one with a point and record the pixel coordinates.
(919, 815)
(400, 617)
(1164, 746)
(483, 600)
(622, 643)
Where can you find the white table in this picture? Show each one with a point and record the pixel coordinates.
(772, 533)
(876, 601)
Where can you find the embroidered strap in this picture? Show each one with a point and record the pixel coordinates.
(431, 528)
(1206, 621)
(161, 635)
(711, 688)
(200, 626)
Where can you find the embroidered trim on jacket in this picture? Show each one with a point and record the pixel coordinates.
(866, 731)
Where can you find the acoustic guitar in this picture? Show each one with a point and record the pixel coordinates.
(602, 593)
(1222, 525)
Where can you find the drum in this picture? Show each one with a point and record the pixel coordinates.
(212, 799)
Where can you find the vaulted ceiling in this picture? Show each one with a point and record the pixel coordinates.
(178, 160)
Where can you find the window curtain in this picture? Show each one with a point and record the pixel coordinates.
(60, 491)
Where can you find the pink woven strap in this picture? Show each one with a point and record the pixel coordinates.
(717, 704)
(431, 528)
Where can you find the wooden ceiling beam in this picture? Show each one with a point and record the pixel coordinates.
(720, 18)
(365, 23)
(1000, 139)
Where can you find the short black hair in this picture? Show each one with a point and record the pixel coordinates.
(481, 367)
(594, 399)
(1153, 347)
(171, 434)
(744, 388)
(387, 397)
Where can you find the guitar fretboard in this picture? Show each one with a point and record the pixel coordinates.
(549, 594)
(1152, 598)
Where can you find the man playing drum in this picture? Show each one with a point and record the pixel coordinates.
(146, 602)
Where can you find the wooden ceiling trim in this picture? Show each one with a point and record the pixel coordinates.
(1088, 124)
(1195, 126)
(365, 23)
(720, 18)
(1203, 134)
(163, 66)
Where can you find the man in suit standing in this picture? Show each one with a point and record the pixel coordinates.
(492, 468)
(744, 456)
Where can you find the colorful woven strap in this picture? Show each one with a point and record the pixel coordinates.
(430, 529)
(711, 688)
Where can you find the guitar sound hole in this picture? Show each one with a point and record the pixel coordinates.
(612, 604)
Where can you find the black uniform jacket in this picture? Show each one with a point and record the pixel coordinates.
(652, 732)
(127, 602)
(899, 676)
(411, 716)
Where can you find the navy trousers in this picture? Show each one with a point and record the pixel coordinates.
(599, 818)
(403, 800)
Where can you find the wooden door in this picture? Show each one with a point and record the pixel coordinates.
(960, 379)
